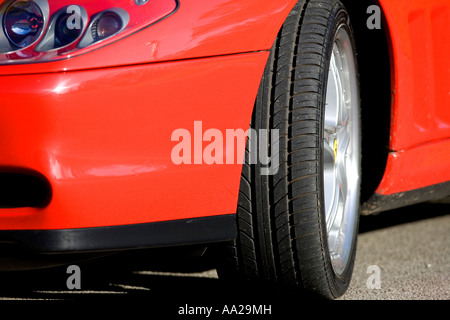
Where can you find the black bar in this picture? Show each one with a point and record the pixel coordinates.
(135, 236)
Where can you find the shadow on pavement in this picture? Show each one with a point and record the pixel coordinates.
(403, 215)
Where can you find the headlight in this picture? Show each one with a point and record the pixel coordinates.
(41, 30)
(68, 28)
(23, 23)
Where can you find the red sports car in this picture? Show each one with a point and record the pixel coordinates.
(266, 125)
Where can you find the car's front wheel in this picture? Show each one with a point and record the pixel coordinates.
(298, 226)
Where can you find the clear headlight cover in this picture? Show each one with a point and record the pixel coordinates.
(47, 30)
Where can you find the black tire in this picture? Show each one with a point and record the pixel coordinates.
(282, 235)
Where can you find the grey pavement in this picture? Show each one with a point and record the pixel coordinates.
(413, 260)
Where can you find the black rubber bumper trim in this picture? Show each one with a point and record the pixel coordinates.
(147, 235)
(378, 203)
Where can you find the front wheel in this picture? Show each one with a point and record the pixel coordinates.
(298, 226)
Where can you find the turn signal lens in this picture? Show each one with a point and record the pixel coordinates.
(105, 25)
(108, 24)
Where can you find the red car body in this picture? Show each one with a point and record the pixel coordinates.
(96, 127)
(420, 125)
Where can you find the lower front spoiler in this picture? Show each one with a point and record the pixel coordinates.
(124, 237)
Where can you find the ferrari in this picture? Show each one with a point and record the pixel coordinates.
(265, 126)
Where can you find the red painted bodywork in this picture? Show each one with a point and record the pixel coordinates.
(197, 29)
(103, 139)
(420, 121)
(98, 126)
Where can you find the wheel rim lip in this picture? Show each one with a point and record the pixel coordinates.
(341, 159)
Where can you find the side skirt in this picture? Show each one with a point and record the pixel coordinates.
(378, 203)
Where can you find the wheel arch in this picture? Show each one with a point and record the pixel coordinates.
(376, 74)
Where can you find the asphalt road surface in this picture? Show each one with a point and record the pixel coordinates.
(402, 255)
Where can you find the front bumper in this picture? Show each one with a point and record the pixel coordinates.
(102, 139)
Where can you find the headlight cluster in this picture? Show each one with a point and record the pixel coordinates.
(41, 30)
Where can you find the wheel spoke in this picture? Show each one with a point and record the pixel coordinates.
(333, 209)
(332, 98)
(343, 138)
(328, 153)
(342, 179)
(343, 94)
(344, 114)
